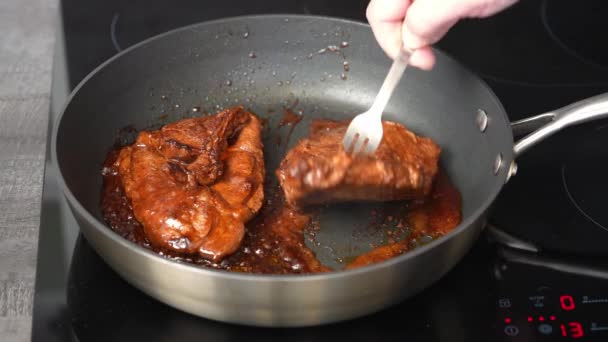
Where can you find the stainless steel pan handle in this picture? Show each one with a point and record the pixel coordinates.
(592, 108)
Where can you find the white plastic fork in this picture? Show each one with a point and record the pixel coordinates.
(364, 133)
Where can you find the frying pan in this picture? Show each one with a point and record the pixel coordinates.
(266, 63)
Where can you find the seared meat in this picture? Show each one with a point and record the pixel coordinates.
(318, 170)
(194, 183)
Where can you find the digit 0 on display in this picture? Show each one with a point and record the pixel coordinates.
(566, 302)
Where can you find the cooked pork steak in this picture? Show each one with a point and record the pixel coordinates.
(194, 183)
(319, 171)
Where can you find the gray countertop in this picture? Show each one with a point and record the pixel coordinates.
(26, 51)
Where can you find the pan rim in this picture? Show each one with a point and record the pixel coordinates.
(464, 225)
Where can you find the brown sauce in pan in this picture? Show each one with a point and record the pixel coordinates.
(275, 239)
(290, 118)
(427, 220)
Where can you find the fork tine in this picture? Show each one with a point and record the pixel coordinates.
(349, 139)
(372, 145)
(349, 143)
(360, 144)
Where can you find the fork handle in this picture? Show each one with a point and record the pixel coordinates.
(391, 81)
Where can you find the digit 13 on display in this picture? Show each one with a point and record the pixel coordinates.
(570, 329)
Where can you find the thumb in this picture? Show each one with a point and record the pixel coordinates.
(427, 22)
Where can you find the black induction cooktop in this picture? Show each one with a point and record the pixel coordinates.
(539, 272)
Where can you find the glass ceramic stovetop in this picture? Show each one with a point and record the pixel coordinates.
(539, 273)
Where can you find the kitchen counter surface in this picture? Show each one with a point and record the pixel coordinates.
(26, 53)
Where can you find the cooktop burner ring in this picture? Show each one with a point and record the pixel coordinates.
(583, 174)
(115, 43)
(573, 200)
(567, 39)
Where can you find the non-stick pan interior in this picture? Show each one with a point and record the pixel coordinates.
(317, 67)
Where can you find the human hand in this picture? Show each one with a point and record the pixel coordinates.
(421, 23)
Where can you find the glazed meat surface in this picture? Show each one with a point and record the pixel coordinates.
(318, 170)
(193, 184)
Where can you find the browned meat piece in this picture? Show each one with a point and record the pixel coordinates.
(194, 183)
(318, 170)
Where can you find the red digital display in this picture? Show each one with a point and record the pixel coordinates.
(507, 320)
(541, 318)
(567, 302)
(530, 319)
(573, 330)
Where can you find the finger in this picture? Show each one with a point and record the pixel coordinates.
(428, 21)
(423, 58)
(387, 10)
(386, 20)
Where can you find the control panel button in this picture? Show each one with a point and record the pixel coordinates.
(545, 329)
(504, 303)
(537, 301)
(590, 300)
(511, 330)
